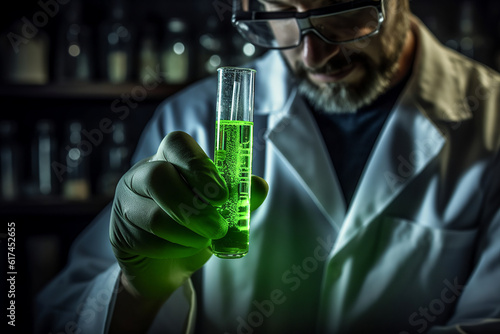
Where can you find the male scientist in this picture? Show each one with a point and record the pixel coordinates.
(380, 209)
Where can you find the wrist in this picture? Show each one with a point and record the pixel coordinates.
(133, 313)
(138, 296)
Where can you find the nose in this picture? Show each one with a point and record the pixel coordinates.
(316, 52)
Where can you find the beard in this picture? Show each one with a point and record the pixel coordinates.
(341, 97)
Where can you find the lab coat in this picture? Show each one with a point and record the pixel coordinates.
(418, 249)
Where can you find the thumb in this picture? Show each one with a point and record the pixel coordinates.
(259, 192)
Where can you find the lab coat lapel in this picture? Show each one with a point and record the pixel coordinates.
(406, 146)
(295, 135)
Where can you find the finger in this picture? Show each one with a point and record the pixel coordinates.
(259, 191)
(144, 213)
(182, 151)
(160, 181)
(127, 239)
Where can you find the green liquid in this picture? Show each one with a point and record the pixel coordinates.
(233, 158)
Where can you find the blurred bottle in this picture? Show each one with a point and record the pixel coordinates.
(9, 161)
(242, 51)
(474, 39)
(175, 53)
(74, 45)
(211, 51)
(115, 160)
(76, 184)
(466, 26)
(44, 153)
(149, 58)
(117, 32)
(24, 51)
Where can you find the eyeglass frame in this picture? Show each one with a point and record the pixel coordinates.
(302, 18)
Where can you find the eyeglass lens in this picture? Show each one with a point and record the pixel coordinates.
(337, 27)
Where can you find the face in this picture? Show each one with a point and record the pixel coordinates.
(344, 78)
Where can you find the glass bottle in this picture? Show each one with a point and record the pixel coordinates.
(242, 52)
(466, 29)
(44, 153)
(149, 58)
(76, 184)
(9, 162)
(175, 52)
(74, 46)
(117, 32)
(211, 52)
(25, 54)
(115, 160)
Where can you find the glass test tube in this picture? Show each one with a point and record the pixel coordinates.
(233, 156)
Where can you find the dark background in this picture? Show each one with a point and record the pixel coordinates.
(47, 225)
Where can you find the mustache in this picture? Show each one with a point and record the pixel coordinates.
(333, 64)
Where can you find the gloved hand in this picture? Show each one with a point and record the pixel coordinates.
(164, 216)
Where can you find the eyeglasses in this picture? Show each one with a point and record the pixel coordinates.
(339, 23)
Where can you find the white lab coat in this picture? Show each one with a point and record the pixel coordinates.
(419, 248)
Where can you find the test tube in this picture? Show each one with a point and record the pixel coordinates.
(233, 156)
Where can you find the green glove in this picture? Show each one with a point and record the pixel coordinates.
(164, 216)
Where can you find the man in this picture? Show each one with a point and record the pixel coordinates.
(380, 149)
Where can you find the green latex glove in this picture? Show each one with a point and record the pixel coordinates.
(164, 216)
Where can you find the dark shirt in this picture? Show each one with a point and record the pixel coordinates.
(350, 137)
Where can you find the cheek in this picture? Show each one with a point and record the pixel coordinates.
(292, 56)
(369, 48)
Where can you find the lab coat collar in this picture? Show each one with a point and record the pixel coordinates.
(444, 102)
(295, 134)
(407, 145)
(293, 131)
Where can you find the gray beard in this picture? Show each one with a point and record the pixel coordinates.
(339, 98)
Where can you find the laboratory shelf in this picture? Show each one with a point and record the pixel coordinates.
(92, 90)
